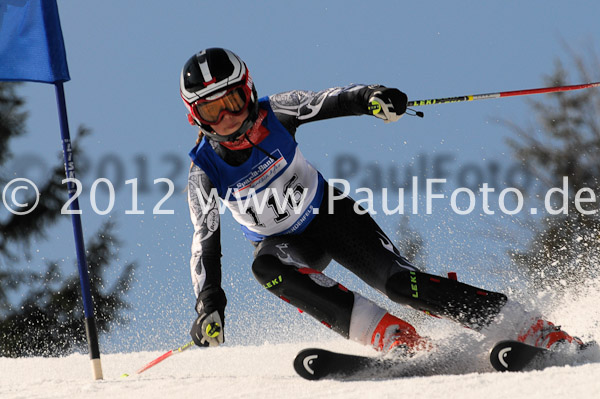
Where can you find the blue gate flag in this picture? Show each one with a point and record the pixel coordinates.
(31, 42)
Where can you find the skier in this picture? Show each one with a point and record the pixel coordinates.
(246, 147)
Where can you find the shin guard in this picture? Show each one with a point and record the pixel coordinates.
(470, 306)
(307, 289)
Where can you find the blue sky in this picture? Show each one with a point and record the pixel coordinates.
(125, 59)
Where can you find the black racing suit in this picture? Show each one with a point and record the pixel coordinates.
(290, 265)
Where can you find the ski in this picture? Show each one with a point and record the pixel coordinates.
(512, 355)
(509, 355)
(316, 364)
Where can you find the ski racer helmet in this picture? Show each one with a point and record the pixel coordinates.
(214, 82)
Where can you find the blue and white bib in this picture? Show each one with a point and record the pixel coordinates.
(267, 196)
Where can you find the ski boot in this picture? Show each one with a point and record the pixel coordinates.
(394, 336)
(544, 334)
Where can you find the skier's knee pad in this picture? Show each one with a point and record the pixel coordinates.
(471, 306)
(307, 289)
(267, 267)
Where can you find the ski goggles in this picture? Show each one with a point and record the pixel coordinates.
(210, 112)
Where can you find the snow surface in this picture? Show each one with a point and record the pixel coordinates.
(459, 368)
(266, 371)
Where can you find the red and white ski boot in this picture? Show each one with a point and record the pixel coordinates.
(544, 334)
(394, 335)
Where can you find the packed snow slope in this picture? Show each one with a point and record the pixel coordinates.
(266, 371)
(458, 368)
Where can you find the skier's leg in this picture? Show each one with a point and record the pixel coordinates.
(468, 305)
(280, 266)
(358, 243)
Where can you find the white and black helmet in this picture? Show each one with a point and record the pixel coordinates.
(213, 82)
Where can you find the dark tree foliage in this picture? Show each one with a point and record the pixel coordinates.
(47, 319)
(565, 249)
(12, 118)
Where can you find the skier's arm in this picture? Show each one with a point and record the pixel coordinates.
(296, 107)
(205, 262)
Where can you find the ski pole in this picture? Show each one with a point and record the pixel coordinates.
(162, 357)
(486, 96)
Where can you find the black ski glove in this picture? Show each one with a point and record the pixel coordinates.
(388, 104)
(209, 327)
